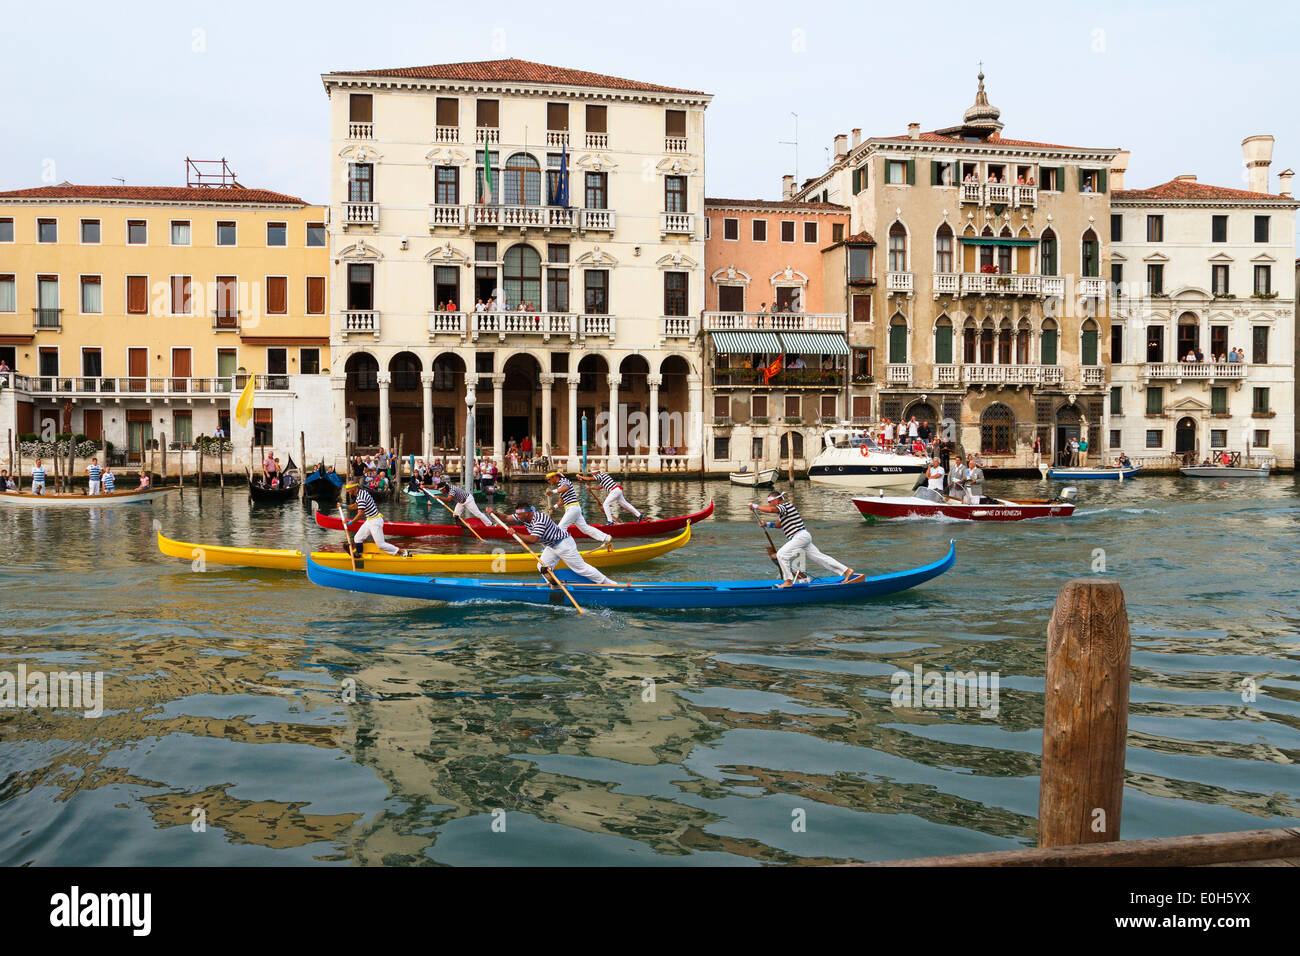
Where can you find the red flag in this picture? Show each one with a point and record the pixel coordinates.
(769, 371)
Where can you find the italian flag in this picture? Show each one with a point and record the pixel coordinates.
(489, 186)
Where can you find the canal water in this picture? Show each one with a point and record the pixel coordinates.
(252, 718)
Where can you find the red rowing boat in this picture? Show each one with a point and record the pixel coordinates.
(412, 529)
(987, 509)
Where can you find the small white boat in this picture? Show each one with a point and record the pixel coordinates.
(754, 479)
(853, 460)
(25, 499)
(1226, 471)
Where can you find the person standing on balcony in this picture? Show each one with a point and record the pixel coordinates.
(613, 494)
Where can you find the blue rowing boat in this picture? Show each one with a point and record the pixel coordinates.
(1057, 473)
(668, 595)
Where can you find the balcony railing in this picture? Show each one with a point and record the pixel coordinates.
(678, 326)
(979, 374)
(360, 214)
(947, 374)
(786, 378)
(225, 320)
(898, 282)
(1026, 195)
(447, 323)
(1196, 371)
(127, 385)
(596, 325)
(1092, 287)
(997, 194)
(776, 321)
(361, 130)
(597, 141)
(898, 374)
(446, 134)
(47, 318)
(361, 321)
(674, 144)
(487, 134)
(541, 324)
(984, 283)
(972, 192)
(1053, 285)
(598, 220)
(446, 215)
(946, 283)
(677, 223)
(1094, 375)
(557, 137)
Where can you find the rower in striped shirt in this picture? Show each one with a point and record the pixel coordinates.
(38, 478)
(799, 541)
(557, 544)
(613, 494)
(573, 517)
(443, 488)
(373, 525)
(93, 472)
(110, 479)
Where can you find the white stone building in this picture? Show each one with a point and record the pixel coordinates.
(1202, 271)
(447, 190)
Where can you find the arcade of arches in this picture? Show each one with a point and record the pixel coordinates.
(424, 402)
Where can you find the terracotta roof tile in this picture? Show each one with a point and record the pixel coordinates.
(1186, 189)
(860, 238)
(786, 205)
(994, 140)
(178, 194)
(516, 71)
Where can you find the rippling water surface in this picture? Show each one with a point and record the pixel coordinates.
(224, 693)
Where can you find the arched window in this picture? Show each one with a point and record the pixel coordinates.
(1047, 344)
(1089, 345)
(897, 248)
(1004, 342)
(522, 181)
(897, 340)
(969, 335)
(986, 343)
(405, 369)
(798, 445)
(943, 341)
(522, 272)
(1022, 342)
(362, 372)
(1091, 255)
(1004, 253)
(997, 430)
(1189, 334)
(1047, 262)
(943, 250)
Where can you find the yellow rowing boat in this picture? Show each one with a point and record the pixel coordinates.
(375, 560)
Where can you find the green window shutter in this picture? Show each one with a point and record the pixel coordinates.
(943, 345)
(898, 344)
(1049, 347)
(856, 180)
(1090, 347)
(1060, 178)
(911, 172)
(1155, 400)
(1080, 171)
(934, 173)
(1101, 180)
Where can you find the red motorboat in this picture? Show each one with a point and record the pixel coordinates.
(412, 529)
(930, 504)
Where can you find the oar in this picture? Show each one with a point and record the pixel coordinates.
(347, 535)
(454, 515)
(546, 572)
(771, 547)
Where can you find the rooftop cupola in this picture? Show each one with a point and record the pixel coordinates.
(982, 115)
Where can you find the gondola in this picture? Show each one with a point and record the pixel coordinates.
(626, 529)
(262, 494)
(373, 559)
(23, 499)
(665, 595)
(323, 487)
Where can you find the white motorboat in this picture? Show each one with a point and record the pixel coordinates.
(1227, 471)
(754, 479)
(24, 499)
(852, 460)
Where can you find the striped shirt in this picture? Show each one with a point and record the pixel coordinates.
(606, 481)
(38, 475)
(109, 481)
(566, 492)
(94, 472)
(548, 532)
(457, 493)
(791, 521)
(367, 503)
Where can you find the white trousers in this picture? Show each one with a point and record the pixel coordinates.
(95, 487)
(573, 518)
(373, 528)
(38, 487)
(567, 551)
(802, 544)
(470, 506)
(614, 500)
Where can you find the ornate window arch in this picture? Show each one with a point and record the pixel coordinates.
(944, 250)
(897, 247)
(997, 430)
(521, 181)
(521, 274)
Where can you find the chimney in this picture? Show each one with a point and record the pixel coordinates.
(1258, 153)
(1284, 182)
(1185, 178)
(841, 147)
(857, 138)
(787, 187)
(913, 130)
(1118, 167)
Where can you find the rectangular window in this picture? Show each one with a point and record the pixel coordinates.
(226, 308)
(861, 407)
(896, 172)
(1263, 280)
(731, 229)
(674, 194)
(90, 232)
(830, 407)
(92, 296)
(1219, 279)
(446, 186)
(1219, 400)
(943, 174)
(759, 407)
(597, 119)
(557, 282)
(675, 123)
(861, 308)
(837, 232)
(731, 298)
(1116, 400)
(1155, 343)
(1259, 344)
(361, 181)
(315, 235)
(1218, 229)
(446, 288)
(1218, 438)
(675, 293)
(487, 113)
(1219, 342)
(1116, 227)
(1261, 228)
(361, 294)
(7, 229)
(596, 292)
(180, 232)
(277, 362)
(1117, 344)
(181, 302)
(1155, 228)
(721, 447)
(1117, 273)
(485, 252)
(810, 232)
(225, 233)
(137, 232)
(597, 190)
(721, 406)
(277, 233)
(557, 117)
(1114, 438)
(277, 295)
(1261, 438)
(137, 295)
(92, 364)
(315, 295)
(792, 406)
(309, 361)
(708, 228)
(8, 296)
(1155, 279)
(787, 230)
(1155, 400)
(361, 108)
(447, 111)
(759, 230)
(263, 430)
(1155, 438)
(859, 263)
(47, 230)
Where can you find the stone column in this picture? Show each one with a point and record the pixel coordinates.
(385, 418)
(612, 433)
(471, 402)
(498, 425)
(339, 394)
(426, 379)
(654, 381)
(575, 450)
(695, 418)
(547, 380)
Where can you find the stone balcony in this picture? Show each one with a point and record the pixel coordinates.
(1194, 371)
(503, 217)
(359, 322)
(134, 386)
(899, 374)
(899, 282)
(776, 321)
(985, 283)
(999, 194)
(678, 327)
(1013, 374)
(361, 214)
(677, 223)
(540, 326)
(361, 130)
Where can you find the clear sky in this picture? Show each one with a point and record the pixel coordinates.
(99, 91)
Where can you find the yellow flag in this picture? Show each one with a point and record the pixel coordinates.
(244, 407)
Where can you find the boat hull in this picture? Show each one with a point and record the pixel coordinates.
(705, 594)
(1223, 471)
(25, 500)
(852, 474)
(1000, 510)
(412, 529)
(1092, 474)
(754, 479)
(372, 559)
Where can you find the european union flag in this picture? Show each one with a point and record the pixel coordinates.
(562, 184)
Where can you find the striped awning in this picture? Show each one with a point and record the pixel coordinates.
(733, 343)
(814, 343)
